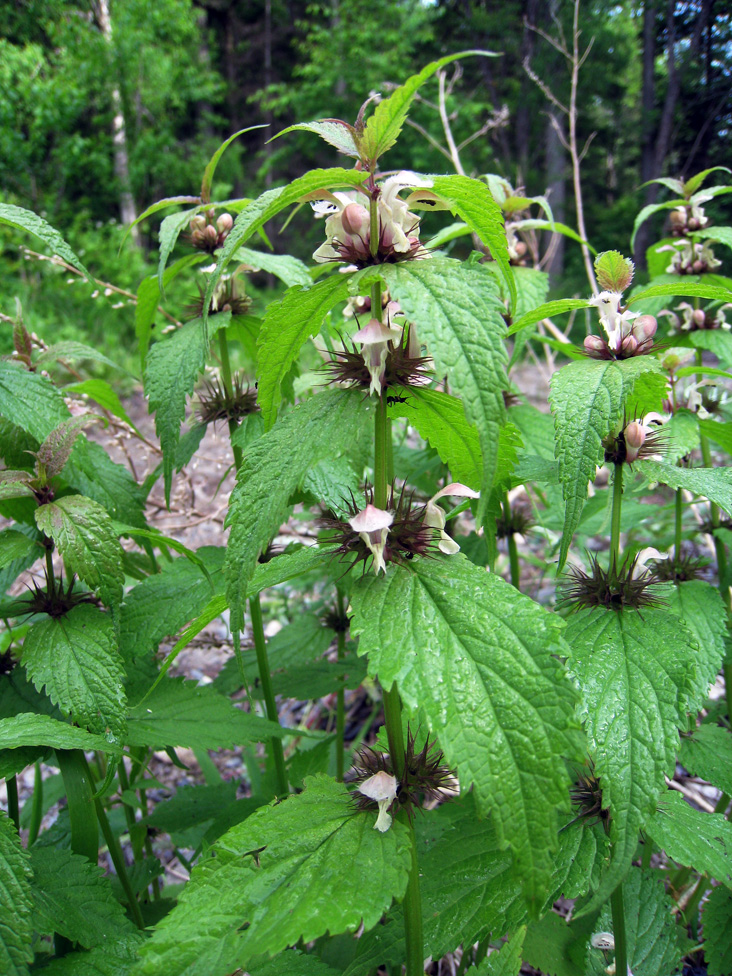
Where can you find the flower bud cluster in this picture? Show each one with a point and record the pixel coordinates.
(207, 235)
(687, 219)
(638, 440)
(691, 258)
(696, 319)
(628, 333)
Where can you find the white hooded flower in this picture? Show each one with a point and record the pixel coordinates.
(372, 525)
(435, 516)
(381, 787)
(374, 339)
(617, 324)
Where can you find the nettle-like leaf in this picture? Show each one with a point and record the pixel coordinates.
(75, 658)
(708, 753)
(383, 127)
(693, 838)
(102, 393)
(578, 864)
(333, 131)
(290, 270)
(171, 369)
(587, 399)
(292, 963)
(701, 609)
(149, 293)
(15, 902)
(274, 467)
(717, 919)
(92, 472)
(440, 419)
(636, 674)
(161, 604)
(15, 545)
(505, 962)
(268, 205)
(683, 289)
(74, 898)
(114, 958)
(459, 316)
(479, 659)
(272, 883)
(29, 729)
(546, 311)
(473, 202)
(713, 483)
(286, 326)
(655, 943)
(85, 537)
(30, 401)
(180, 713)
(33, 224)
(208, 173)
(614, 272)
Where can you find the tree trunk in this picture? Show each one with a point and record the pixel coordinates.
(127, 208)
(556, 180)
(523, 112)
(648, 128)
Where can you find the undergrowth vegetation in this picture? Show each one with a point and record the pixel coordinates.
(534, 596)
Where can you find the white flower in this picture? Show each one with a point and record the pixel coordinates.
(435, 516)
(372, 525)
(381, 787)
(617, 324)
(375, 337)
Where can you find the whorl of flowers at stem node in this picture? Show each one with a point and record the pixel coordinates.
(628, 334)
(425, 778)
(690, 257)
(518, 522)
(687, 219)
(637, 441)
(372, 373)
(214, 403)
(679, 570)
(226, 298)
(617, 588)
(207, 234)
(586, 796)
(53, 599)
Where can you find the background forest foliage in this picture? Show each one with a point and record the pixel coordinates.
(109, 105)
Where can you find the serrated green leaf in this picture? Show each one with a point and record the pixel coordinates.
(74, 898)
(115, 958)
(546, 311)
(693, 838)
(701, 609)
(293, 963)
(472, 201)
(614, 272)
(684, 289)
(161, 604)
(148, 298)
(494, 695)
(33, 224)
(713, 483)
(54, 452)
(721, 235)
(458, 315)
(180, 713)
(587, 399)
(85, 537)
(171, 369)
(29, 729)
(268, 871)
(655, 943)
(208, 173)
(75, 658)
(268, 205)
(440, 419)
(274, 467)
(191, 806)
(102, 393)
(333, 131)
(635, 673)
(681, 435)
(15, 545)
(708, 753)
(30, 401)
(582, 855)
(70, 349)
(333, 483)
(717, 919)
(548, 943)
(286, 326)
(532, 286)
(94, 474)
(695, 181)
(170, 230)
(15, 489)
(649, 211)
(15, 901)
(290, 270)
(383, 127)
(505, 962)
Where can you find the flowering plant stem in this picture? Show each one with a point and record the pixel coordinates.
(341, 696)
(393, 706)
(621, 947)
(615, 524)
(511, 544)
(678, 515)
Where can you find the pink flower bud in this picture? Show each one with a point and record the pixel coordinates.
(355, 219)
(698, 317)
(698, 266)
(520, 248)
(635, 437)
(693, 224)
(644, 327)
(225, 223)
(210, 235)
(629, 345)
(198, 223)
(594, 345)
